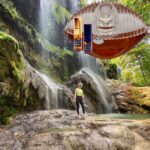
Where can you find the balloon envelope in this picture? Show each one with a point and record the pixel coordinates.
(115, 28)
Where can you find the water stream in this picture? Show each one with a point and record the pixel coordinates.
(51, 92)
(91, 66)
(87, 61)
(45, 17)
(102, 91)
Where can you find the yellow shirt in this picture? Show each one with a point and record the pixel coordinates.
(79, 92)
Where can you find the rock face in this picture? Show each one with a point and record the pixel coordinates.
(61, 129)
(129, 99)
(29, 9)
(16, 93)
(22, 87)
(42, 55)
(11, 75)
(97, 96)
(52, 95)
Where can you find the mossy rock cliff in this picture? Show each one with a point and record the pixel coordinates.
(12, 79)
(50, 59)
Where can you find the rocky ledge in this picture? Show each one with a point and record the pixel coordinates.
(62, 129)
(129, 99)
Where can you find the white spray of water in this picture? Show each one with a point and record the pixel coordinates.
(75, 6)
(51, 92)
(91, 67)
(44, 19)
(103, 92)
(47, 89)
(88, 61)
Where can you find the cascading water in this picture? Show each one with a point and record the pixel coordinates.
(45, 18)
(101, 88)
(92, 68)
(51, 92)
(52, 22)
(52, 95)
(47, 89)
(87, 61)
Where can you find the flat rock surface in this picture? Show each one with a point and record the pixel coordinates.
(63, 130)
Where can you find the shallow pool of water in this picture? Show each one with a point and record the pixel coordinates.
(126, 116)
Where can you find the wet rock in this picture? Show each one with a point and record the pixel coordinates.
(129, 99)
(61, 129)
(97, 95)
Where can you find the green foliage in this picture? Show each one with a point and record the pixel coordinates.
(17, 72)
(135, 65)
(141, 7)
(59, 13)
(10, 8)
(55, 49)
(6, 37)
(83, 3)
(19, 25)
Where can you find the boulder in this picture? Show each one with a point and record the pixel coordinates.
(97, 96)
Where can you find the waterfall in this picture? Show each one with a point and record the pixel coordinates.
(100, 87)
(53, 95)
(50, 93)
(88, 61)
(92, 68)
(50, 90)
(44, 17)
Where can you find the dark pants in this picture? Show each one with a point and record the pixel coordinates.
(79, 100)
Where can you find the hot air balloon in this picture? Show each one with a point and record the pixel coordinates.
(105, 30)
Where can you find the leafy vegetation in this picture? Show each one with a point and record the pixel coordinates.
(138, 96)
(135, 65)
(59, 13)
(141, 7)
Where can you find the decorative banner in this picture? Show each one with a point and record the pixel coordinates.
(77, 34)
(87, 38)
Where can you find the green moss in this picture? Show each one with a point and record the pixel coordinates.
(6, 37)
(35, 43)
(9, 6)
(59, 13)
(28, 32)
(55, 49)
(17, 72)
(10, 50)
(6, 110)
(31, 102)
(12, 72)
(139, 97)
